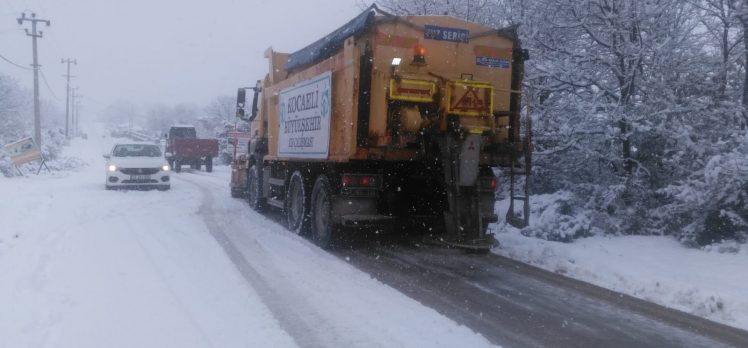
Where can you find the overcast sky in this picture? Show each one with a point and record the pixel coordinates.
(170, 51)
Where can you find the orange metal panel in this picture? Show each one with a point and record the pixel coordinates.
(485, 57)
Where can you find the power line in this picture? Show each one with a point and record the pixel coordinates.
(13, 63)
(44, 78)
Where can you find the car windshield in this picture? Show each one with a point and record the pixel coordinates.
(136, 150)
(183, 132)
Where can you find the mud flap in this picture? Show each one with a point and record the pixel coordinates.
(468, 160)
(460, 159)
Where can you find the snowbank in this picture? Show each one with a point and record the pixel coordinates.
(711, 282)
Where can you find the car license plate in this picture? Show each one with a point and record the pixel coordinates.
(140, 177)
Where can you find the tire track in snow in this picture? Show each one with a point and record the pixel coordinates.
(305, 326)
(164, 280)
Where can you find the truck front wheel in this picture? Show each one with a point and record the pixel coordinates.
(253, 189)
(297, 204)
(323, 229)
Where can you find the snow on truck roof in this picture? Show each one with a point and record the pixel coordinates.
(330, 44)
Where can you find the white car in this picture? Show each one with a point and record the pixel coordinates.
(137, 165)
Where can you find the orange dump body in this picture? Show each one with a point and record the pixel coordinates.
(397, 80)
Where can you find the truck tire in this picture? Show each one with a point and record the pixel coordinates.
(177, 166)
(323, 230)
(297, 204)
(209, 164)
(254, 187)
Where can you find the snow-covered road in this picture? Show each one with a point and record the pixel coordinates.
(316, 297)
(191, 267)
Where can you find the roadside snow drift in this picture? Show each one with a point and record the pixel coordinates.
(704, 282)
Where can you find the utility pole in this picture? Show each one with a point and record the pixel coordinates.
(67, 94)
(34, 35)
(72, 106)
(76, 128)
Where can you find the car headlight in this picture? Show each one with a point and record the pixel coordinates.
(165, 167)
(112, 168)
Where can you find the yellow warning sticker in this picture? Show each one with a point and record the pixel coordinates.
(469, 98)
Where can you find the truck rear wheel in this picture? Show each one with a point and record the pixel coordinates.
(253, 189)
(209, 164)
(323, 229)
(297, 204)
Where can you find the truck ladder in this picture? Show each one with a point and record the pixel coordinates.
(518, 168)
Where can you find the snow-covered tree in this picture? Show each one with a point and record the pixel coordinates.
(222, 108)
(17, 122)
(15, 105)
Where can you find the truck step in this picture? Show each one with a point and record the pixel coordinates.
(276, 181)
(365, 219)
(276, 202)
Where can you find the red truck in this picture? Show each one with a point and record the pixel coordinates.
(183, 147)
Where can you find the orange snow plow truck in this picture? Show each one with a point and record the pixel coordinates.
(388, 122)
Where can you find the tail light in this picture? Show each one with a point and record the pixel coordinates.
(488, 183)
(354, 180)
(347, 181)
(419, 56)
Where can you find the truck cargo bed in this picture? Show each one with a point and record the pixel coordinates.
(195, 147)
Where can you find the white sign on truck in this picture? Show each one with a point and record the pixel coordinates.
(305, 112)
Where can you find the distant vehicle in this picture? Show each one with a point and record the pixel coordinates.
(183, 147)
(137, 166)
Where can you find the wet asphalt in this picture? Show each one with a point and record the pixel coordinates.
(516, 305)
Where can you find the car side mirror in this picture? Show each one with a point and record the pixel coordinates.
(107, 156)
